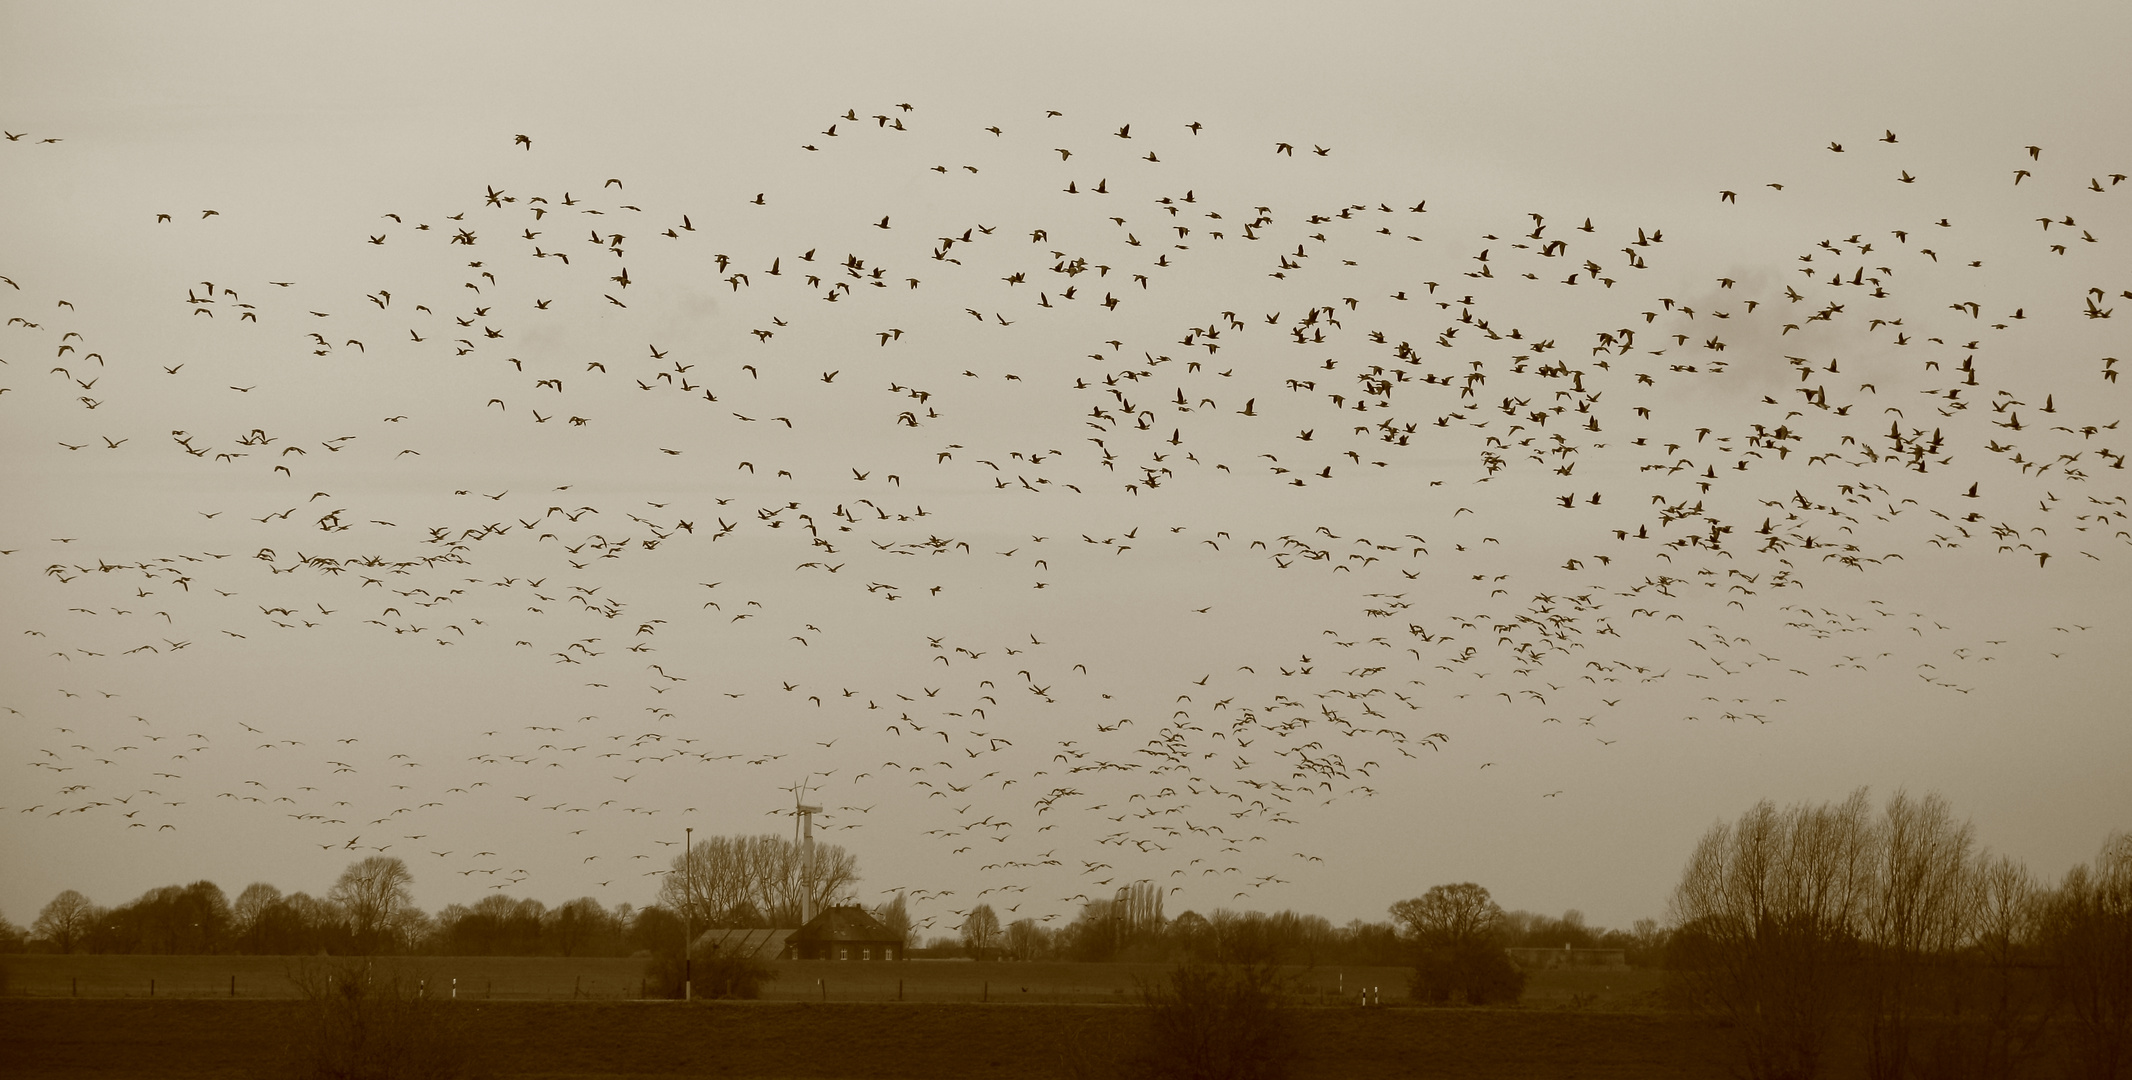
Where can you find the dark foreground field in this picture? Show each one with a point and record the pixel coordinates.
(77, 1039)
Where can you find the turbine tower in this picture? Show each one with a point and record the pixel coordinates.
(803, 838)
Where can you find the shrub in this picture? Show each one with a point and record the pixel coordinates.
(1215, 1023)
(1476, 973)
(715, 975)
(364, 1022)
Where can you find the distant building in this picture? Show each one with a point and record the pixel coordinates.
(1587, 959)
(843, 933)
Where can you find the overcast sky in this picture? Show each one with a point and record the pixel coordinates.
(1298, 458)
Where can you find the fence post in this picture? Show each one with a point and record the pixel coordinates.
(986, 994)
(74, 986)
(899, 989)
(151, 988)
(233, 986)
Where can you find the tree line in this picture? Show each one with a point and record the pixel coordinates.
(1896, 936)
(1223, 936)
(368, 911)
(1887, 933)
(749, 882)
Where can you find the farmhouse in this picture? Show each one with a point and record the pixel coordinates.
(843, 933)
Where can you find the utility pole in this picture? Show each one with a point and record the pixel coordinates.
(688, 904)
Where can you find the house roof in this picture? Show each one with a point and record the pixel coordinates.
(765, 944)
(846, 923)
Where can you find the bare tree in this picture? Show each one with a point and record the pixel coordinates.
(1025, 939)
(895, 915)
(2088, 930)
(252, 905)
(1920, 910)
(376, 896)
(1216, 1023)
(2016, 1013)
(980, 931)
(65, 921)
(575, 924)
(314, 919)
(712, 880)
(725, 879)
(1457, 933)
(1450, 915)
(1767, 916)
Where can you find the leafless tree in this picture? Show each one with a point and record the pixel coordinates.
(1457, 935)
(65, 921)
(740, 878)
(2015, 1007)
(575, 923)
(1450, 915)
(1919, 911)
(1216, 1023)
(251, 906)
(311, 912)
(1025, 939)
(376, 897)
(895, 915)
(980, 931)
(1767, 916)
(2088, 931)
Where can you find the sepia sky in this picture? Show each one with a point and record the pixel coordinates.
(974, 412)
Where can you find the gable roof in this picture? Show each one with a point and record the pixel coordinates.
(849, 922)
(765, 944)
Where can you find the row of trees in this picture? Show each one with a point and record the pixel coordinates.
(1461, 920)
(740, 881)
(1802, 925)
(369, 910)
(733, 882)
(1225, 936)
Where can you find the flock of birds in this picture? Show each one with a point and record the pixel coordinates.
(1127, 509)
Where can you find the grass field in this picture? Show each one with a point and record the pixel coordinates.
(90, 1039)
(517, 978)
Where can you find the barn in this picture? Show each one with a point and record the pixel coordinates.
(846, 932)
